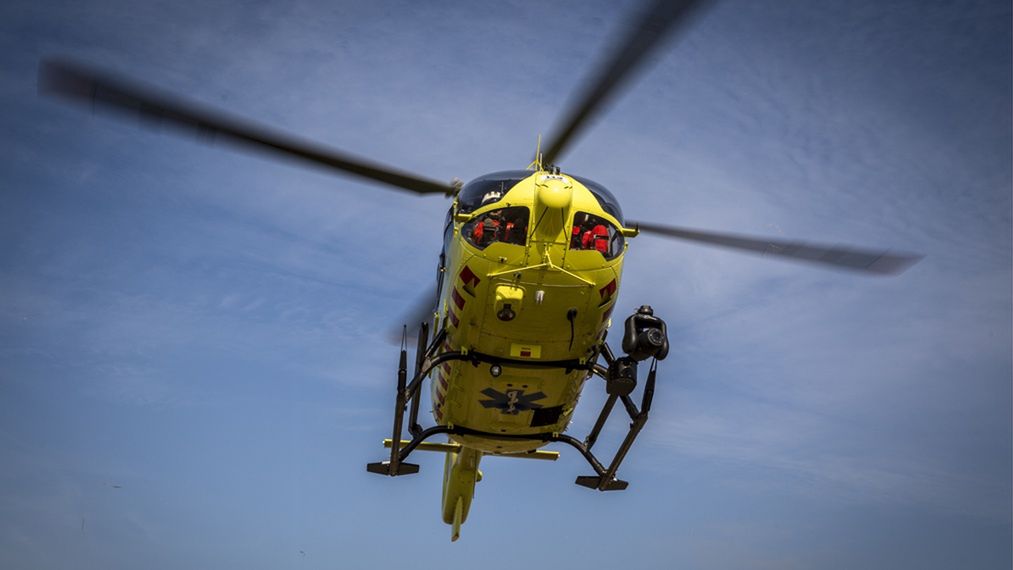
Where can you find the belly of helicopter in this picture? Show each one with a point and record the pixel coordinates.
(523, 316)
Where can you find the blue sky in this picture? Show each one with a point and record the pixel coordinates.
(193, 366)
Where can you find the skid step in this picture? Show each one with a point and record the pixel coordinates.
(594, 482)
(383, 468)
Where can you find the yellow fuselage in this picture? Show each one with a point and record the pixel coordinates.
(560, 295)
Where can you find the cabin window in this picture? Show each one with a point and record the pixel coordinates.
(507, 225)
(594, 233)
(448, 229)
(488, 189)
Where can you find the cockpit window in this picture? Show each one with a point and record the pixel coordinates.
(507, 225)
(590, 232)
(489, 188)
(605, 198)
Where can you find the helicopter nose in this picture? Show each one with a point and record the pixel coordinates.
(555, 194)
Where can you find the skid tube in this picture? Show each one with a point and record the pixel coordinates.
(408, 392)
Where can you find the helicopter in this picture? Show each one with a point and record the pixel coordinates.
(527, 279)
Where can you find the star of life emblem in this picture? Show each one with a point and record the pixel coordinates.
(511, 402)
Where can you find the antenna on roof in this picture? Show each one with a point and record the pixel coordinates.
(536, 164)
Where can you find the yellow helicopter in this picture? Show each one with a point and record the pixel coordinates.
(529, 273)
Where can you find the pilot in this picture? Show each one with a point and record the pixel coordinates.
(516, 228)
(487, 231)
(491, 197)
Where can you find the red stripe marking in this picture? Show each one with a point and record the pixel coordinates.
(469, 277)
(440, 397)
(608, 290)
(446, 367)
(453, 318)
(458, 299)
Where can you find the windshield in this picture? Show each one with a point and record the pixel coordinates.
(605, 198)
(489, 188)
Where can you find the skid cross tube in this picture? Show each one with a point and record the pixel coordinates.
(606, 411)
(411, 391)
(425, 434)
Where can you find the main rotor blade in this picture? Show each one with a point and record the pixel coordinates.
(84, 85)
(421, 311)
(863, 260)
(644, 34)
